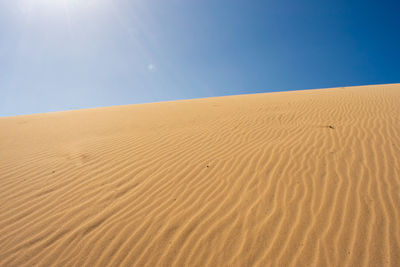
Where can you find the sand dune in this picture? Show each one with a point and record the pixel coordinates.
(303, 178)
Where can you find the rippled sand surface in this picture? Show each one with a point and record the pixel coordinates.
(302, 178)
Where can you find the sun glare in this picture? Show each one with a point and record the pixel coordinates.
(56, 5)
(61, 10)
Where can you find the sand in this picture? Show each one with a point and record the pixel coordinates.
(301, 178)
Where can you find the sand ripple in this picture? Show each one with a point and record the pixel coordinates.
(305, 178)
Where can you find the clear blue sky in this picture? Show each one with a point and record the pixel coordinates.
(71, 54)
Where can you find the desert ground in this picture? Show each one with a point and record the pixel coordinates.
(296, 178)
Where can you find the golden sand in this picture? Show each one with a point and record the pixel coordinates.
(302, 178)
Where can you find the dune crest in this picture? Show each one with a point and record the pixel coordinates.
(301, 178)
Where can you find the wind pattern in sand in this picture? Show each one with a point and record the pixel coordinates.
(302, 178)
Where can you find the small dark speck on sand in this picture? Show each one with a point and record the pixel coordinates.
(331, 127)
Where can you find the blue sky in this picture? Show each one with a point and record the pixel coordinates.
(71, 54)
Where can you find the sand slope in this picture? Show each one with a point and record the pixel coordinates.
(252, 180)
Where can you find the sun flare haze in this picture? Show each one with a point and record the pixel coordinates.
(69, 54)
